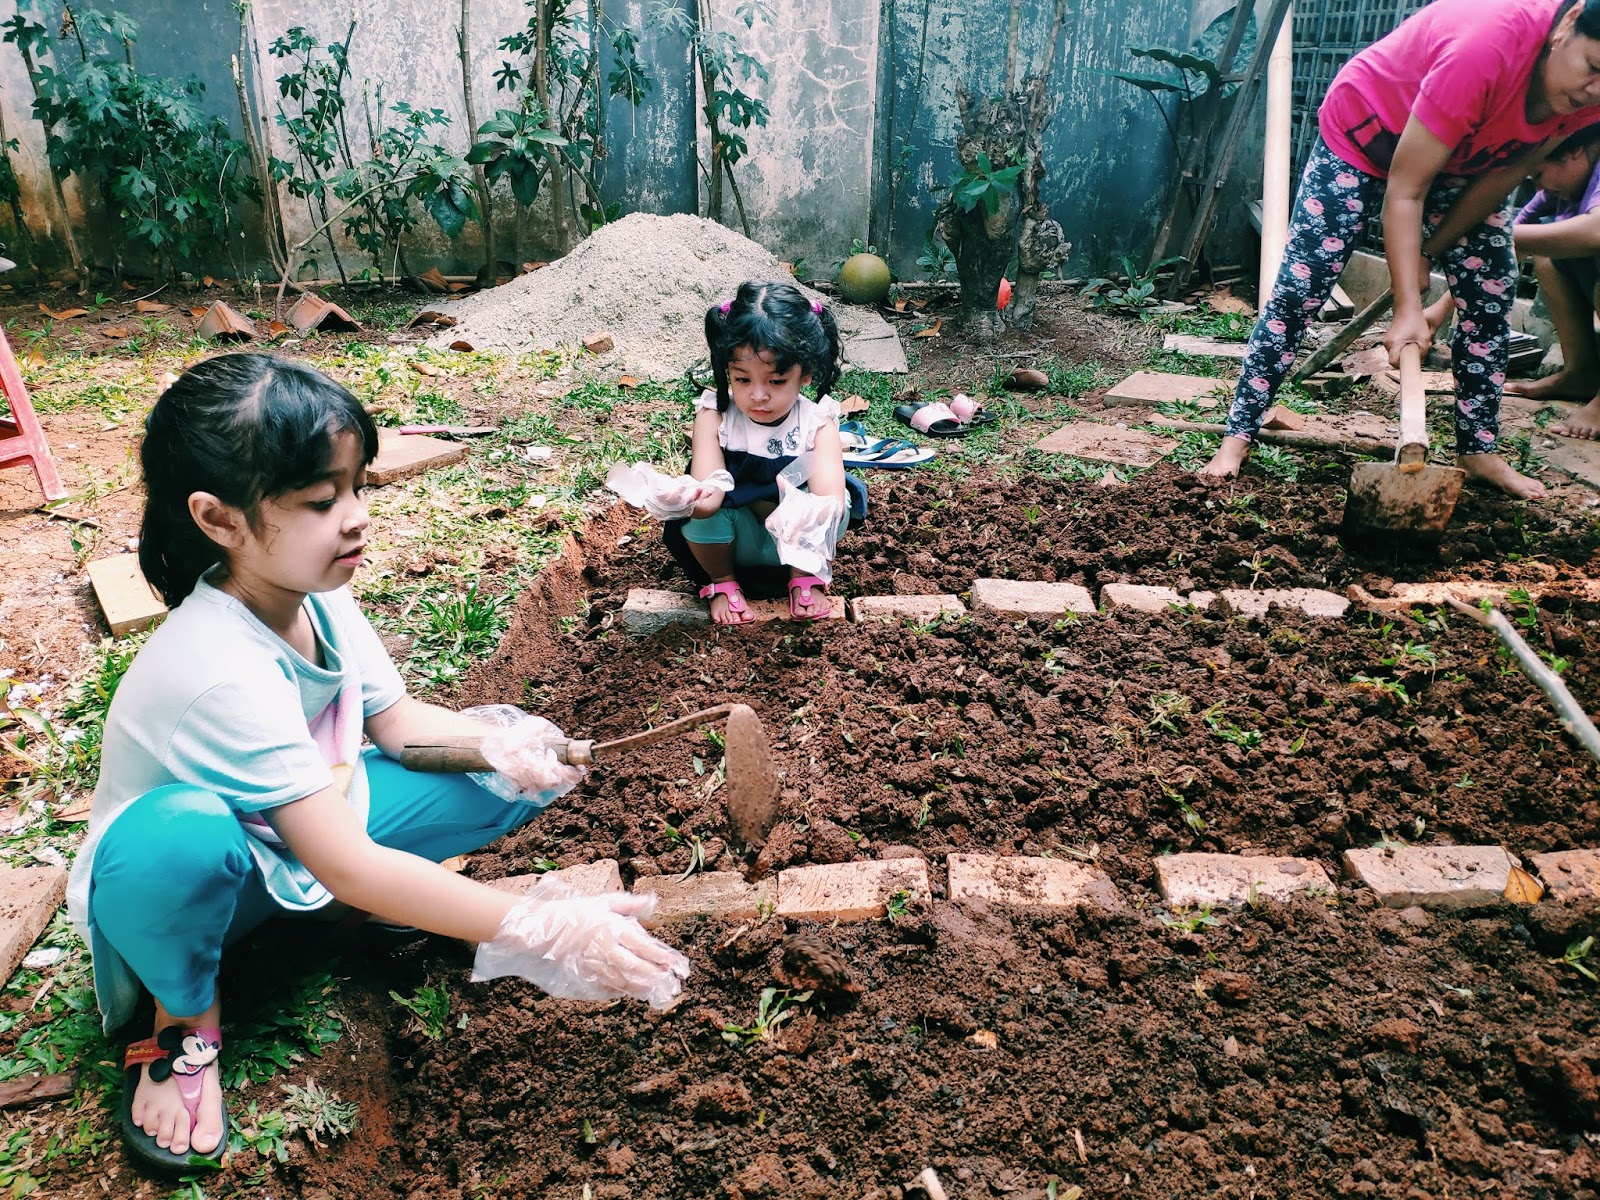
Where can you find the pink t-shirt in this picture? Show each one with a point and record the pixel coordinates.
(1463, 68)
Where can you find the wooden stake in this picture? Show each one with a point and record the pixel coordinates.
(1573, 719)
(929, 1182)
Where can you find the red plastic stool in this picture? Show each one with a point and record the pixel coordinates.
(21, 439)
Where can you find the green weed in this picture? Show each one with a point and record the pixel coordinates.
(1577, 956)
(1191, 920)
(431, 1008)
(317, 1113)
(1216, 720)
(1392, 688)
(772, 1010)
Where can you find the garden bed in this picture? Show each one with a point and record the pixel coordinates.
(1321, 1047)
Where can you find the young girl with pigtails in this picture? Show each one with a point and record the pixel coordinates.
(234, 784)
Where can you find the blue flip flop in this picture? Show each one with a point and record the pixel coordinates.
(889, 454)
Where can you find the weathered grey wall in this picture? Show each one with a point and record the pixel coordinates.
(862, 96)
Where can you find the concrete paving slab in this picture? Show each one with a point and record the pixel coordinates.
(402, 455)
(1018, 599)
(1313, 602)
(723, 895)
(1203, 347)
(1146, 388)
(1234, 879)
(852, 891)
(1139, 597)
(1106, 443)
(1569, 874)
(905, 608)
(1028, 882)
(125, 596)
(870, 343)
(587, 879)
(1432, 876)
(29, 898)
(1574, 457)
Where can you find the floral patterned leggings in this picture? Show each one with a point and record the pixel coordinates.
(1329, 214)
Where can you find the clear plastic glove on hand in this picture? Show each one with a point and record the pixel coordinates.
(526, 768)
(665, 497)
(583, 947)
(806, 528)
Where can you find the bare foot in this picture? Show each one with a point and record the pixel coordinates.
(1566, 384)
(722, 611)
(1585, 423)
(1495, 471)
(1225, 463)
(158, 1108)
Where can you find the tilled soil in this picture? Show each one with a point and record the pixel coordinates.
(1326, 1047)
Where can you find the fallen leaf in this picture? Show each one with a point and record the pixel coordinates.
(984, 1039)
(1224, 301)
(628, 381)
(278, 329)
(422, 368)
(116, 331)
(198, 311)
(459, 287)
(128, 287)
(853, 404)
(33, 358)
(462, 345)
(66, 314)
(1523, 888)
(150, 306)
(429, 316)
(534, 266)
(931, 330)
(433, 280)
(208, 281)
(75, 810)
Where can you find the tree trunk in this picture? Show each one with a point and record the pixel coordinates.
(1041, 243)
(488, 274)
(984, 241)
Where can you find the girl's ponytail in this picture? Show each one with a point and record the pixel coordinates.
(826, 373)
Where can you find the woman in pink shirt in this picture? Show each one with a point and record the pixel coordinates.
(1437, 123)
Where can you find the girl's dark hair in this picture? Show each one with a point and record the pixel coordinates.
(777, 319)
(244, 427)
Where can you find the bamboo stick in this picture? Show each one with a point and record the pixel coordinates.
(1573, 719)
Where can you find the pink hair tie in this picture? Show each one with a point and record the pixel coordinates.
(724, 307)
(816, 307)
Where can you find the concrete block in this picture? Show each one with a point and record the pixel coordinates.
(402, 455)
(29, 897)
(125, 596)
(1019, 599)
(1313, 602)
(852, 891)
(1145, 388)
(1432, 876)
(1027, 882)
(1569, 874)
(650, 610)
(1197, 879)
(905, 608)
(1107, 443)
(724, 895)
(587, 879)
(1139, 597)
(1201, 347)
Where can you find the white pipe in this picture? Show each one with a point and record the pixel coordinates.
(1275, 163)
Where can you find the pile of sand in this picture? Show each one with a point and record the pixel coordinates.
(646, 280)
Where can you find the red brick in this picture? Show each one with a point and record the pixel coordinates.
(1570, 874)
(29, 897)
(853, 891)
(1432, 876)
(650, 610)
(1138, 597)
(724, 895)
(587, 879)
(905, 608)
(1027, 882)
(1198, 879)
(1313, 602)
(1019, 600)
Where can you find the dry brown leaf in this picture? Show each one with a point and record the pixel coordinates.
(150, 306)
(128, 287)
(462, 345)
(278, 329)
(984, 1039)
(208, 281)
(931, 330)
(458, 287)
(116, 331)
(66, 314)
(853, 404)
(534, 266)
(33, 358)
(198, 311)
(422, 368)
(628, 381)
(430, 316)
(1523, 888)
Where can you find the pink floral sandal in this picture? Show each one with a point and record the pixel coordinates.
(735, 594)
(808, 587)
(184, 1055)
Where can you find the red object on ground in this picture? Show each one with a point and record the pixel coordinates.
(1005, 293)
(21, 439)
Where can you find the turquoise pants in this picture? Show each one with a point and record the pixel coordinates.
(752, 544)
(174, 880)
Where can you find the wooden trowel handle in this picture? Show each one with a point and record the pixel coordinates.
(1413, 449)
(464, 752)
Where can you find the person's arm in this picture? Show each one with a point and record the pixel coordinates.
(1575, 237)
(324, 833)
(827, 463)
(707, 457)
(412, 720)
(1483, 197)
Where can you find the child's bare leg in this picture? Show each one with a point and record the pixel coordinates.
(158, 1108)
(1230, 456)
(1572, 313)
(1440, 313)
(717, 559)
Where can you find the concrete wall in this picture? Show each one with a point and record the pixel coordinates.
(861, 92)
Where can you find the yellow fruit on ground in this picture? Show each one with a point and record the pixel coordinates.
(864, 279)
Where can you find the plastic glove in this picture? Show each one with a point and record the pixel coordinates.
(806, 528)
(665, 497)
(526, 768)
(583, 947)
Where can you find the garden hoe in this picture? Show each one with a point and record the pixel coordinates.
(1405, 498)
(750, 778)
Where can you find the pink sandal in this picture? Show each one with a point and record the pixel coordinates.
(808, 585)
(735, 594)
(183, 1055)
